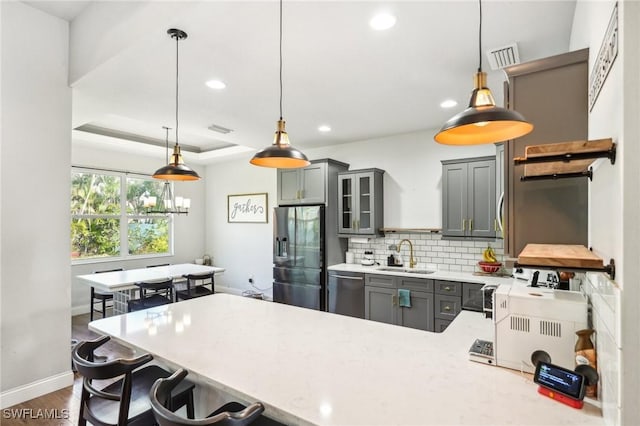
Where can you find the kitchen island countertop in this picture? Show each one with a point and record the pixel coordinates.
(311, 367)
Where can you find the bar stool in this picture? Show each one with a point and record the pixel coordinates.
(125, 401)
(231, 413)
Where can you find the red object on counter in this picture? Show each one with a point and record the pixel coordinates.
(575, 403)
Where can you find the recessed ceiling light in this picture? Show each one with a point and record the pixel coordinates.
(324, 128)
(449, 103)
(216, 84)
(382, 21)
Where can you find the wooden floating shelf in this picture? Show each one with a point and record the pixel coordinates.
(563, 257)
(565, 159)
(411, 230)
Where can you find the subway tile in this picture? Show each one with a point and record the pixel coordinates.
(454, 255)
(468, 268)
(455, 243)
(468, 244)
(462, 250)
(457, 268)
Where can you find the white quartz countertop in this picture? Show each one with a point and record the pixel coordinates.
(467, 277)
(311, 367)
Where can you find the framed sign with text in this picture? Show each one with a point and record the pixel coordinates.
(247, 208)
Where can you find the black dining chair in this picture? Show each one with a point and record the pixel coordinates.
(230, 414)
(101, 297)
(152, 294)
(197, 286)
(126, 400)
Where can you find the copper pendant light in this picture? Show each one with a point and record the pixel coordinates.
(482, 122)
(176, 169)
(280, 154)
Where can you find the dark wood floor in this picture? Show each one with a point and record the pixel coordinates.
(64, 403)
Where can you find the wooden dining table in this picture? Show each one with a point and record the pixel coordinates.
(122, 283)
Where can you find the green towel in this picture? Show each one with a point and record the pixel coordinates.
(404, 298)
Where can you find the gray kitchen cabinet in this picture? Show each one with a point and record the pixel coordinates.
(308, 185)
(440, 325)
(380, 304)
(469, 197)
(420, 314)
(360, 202)
(447, 300)
(448, 288)
(382, 301)
(447, 307)
(380, 280)
(547, 211)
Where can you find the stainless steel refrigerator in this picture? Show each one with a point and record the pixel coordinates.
(302, 250)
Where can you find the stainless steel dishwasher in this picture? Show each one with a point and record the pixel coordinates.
(345, 293)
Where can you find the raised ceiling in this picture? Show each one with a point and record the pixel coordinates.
(337, 70)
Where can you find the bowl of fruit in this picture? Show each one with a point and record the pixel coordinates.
(489, 262)
(490, 267)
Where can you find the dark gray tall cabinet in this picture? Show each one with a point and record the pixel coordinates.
(552, 94)
(469, 197)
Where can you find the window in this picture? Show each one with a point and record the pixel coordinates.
(108, 216)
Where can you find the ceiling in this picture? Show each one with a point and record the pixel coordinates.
(337, 71)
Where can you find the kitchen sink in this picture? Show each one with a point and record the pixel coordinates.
(409, 270)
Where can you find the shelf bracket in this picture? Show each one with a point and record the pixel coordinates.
(554, 176)
(570, 156)
(609, 269)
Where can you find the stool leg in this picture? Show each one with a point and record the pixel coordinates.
(91, 303)
(190, 406)
(104, 307)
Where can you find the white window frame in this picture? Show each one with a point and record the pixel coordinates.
(124, 219)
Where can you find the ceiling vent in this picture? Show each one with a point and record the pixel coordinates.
(502, 57)
(219, 129)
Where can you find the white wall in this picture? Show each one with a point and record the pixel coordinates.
(189, 235)
(412, 197)
(613, 204)
(243, 249)
(35, 320)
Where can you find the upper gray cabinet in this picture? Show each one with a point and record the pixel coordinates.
(308, 185)
(360, 202)
(469, 197)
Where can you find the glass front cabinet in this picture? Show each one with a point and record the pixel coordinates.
(360, 202)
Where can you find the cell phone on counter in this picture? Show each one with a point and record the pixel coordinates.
(561, 384)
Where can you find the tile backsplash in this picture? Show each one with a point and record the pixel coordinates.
(604, 297)
(429, 249)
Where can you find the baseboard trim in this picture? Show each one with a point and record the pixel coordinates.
(79, 310)
(35, 389)
(231, 290)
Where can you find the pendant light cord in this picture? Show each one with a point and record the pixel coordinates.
(177, 68)
(167, 142)
(280, 59)
(480, 38)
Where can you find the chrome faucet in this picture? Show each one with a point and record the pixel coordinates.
(412, 262)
